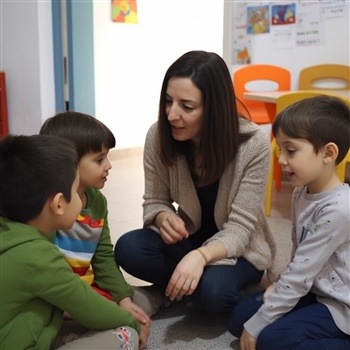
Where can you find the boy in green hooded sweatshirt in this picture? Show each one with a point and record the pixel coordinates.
(38, 194)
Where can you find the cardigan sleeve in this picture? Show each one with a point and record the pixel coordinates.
(157, 197)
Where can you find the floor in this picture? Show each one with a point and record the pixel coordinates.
(181, 327)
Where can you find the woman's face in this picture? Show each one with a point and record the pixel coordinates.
(184, 109)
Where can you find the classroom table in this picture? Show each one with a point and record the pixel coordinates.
(270, 97)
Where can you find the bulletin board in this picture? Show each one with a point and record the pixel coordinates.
(293, 34)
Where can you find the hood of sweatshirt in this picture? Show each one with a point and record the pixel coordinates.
(13, 234)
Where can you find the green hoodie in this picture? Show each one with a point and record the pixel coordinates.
(37, 284)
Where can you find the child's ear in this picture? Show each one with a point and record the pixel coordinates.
(56, 204)
(331, 152)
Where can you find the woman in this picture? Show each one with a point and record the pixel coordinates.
(205, 234)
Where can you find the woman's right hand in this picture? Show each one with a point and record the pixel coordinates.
(144, 334)
(172, 228)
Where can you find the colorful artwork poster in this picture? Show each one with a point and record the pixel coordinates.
(241, 52)
(124, 11)
(258, 19)
(283, 14)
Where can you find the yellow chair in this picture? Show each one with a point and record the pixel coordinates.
(259, 72)
(310, 76)
(275, 171)
(341, 168)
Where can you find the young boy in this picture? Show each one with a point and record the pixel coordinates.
(87, 245)
(309, 306)
(38, 194)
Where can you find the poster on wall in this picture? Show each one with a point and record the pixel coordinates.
(241, 52)
(310, 28)
(283, 18)
(240, 21)
(124, 11)
(283, 14)
(334, 9)
(258, 19)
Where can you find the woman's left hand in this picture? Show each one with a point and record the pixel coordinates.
(186, 275)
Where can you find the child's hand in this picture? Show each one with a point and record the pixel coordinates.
(143, 337)
(247, 342)
(268, 290)
(128, 305)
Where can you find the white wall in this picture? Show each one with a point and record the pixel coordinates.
(336, 48)
(131, 60)
(27, 59)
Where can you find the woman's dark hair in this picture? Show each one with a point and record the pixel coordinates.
(220, 134)
(32, 170)
(320, 120)
(86, 132)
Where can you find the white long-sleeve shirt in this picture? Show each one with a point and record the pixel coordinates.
(320, 259)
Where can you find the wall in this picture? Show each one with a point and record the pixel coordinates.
(131, 60)
(336, 48)
(27, 59)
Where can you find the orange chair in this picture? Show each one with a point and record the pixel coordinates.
(275, 171)
(311, 77)
(254, 73)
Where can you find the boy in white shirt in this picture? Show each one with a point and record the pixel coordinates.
(309, 306)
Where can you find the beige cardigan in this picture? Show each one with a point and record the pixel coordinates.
(238, 209)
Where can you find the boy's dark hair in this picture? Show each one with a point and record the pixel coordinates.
(33, 169)
(86, 132)
(320, 119)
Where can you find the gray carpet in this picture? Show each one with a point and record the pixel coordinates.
(183, 327)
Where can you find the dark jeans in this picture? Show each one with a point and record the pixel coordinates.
(309, 326)
(143, 254)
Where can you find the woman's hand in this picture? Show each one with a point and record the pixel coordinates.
(247, 342)
(172, 228)
(186, 276)
(140, 316)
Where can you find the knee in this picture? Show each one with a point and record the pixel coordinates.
(270, 339)
(264, 339)
(122, 249)
(212, 299)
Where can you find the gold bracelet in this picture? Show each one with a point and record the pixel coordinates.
(203, 255)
